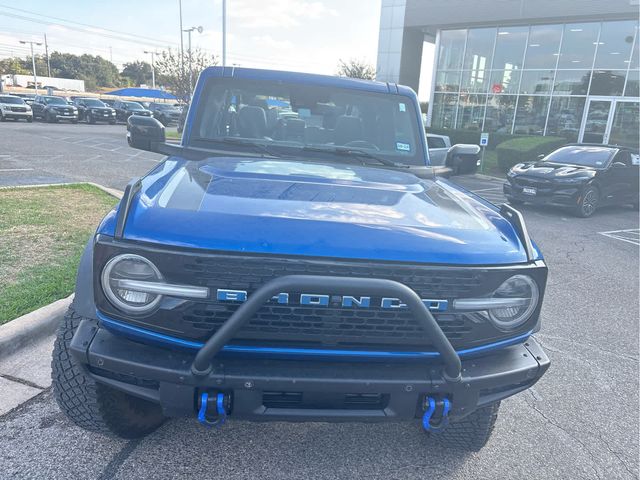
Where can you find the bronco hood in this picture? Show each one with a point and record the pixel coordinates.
(315, 209)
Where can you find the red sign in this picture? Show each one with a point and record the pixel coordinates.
(496, 88)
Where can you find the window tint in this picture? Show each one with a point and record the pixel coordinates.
(436, 142)
(597, 157)
(451, 49)
(11, 100)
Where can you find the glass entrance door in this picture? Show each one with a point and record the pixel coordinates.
(596, 121)
(613, 121)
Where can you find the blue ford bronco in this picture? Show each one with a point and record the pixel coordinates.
(295, 258)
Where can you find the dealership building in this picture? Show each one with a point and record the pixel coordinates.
(539, 67)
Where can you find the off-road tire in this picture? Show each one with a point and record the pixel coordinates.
(472, 432)
(91, 405)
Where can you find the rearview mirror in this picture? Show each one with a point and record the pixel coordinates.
(463, 159)
(145, 133)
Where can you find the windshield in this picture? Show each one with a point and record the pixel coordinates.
(133, 106)
(55, 101)
(286, 118)
(586, 156)
(92, 102)
(11, 100)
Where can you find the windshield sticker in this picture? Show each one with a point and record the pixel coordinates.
(403, 147)
(403, 107)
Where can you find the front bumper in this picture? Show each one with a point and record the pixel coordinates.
(310, 390)
(562, 196)
(60, 116)
(17, 115)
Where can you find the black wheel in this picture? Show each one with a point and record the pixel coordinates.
(3, 118)
(90, 119)
(112, 122)
(74, 121)
(588, 202)
(49, 118)
(92, 405)
(472, 432)
(29, 119)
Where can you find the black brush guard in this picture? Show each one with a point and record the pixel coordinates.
(320, 284)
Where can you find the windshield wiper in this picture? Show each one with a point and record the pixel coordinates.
(354, 152)
(259, 147)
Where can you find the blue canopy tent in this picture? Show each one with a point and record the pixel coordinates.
(142, 92)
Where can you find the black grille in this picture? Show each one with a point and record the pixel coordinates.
(532, 182)
(292, 324)
(18, 109)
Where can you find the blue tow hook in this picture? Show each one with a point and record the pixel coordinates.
(219, 416)
(431, 405)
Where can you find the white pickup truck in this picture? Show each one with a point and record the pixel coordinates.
(452, 160)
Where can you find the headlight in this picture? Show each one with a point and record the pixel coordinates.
(94, 110)
(570, 179)
(75, 110)
(134, 285)
(130, 267)
(510, 305)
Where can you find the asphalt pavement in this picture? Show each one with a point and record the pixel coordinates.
(580, 421)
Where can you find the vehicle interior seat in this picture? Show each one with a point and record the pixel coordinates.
(252, 122)
(348, 129)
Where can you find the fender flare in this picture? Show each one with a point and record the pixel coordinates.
(83, 302)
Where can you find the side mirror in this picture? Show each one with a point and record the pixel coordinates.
(145, 133)
(463, 159)
(619, 165)
(541, 156)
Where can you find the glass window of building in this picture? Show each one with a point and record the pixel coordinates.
(479, 49)
(536, 82)
(635, 55)
(572, 82)
(471, 111)
(578, 45)
(625, 128)
(531, 115)
(565, 117)
(614, 45)
(447, 81)
(633, 84)
(444, 110)
(543, 46)
(607, 82)
(474, 81)
(510, 45)
(504, 81)
(451, 49)
(500, 111)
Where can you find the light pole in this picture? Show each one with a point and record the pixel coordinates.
(153, 68)
(33, 61)
(224, 33)
(181, 41)
(189, 30)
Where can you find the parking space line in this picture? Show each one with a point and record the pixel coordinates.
(630, 235)
(16, 169)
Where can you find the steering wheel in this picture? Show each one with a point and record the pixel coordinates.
(362, 144)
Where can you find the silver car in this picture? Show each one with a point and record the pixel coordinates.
(12, 107)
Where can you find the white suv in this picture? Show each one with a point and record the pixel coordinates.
(15, 108)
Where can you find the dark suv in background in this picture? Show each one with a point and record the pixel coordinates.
(166, 113)
(93, 110)
(52, 109)
(125, 109)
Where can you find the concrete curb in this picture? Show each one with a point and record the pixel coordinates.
(111, 191)
(29, 328)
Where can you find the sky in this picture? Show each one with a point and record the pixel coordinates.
(301, 35)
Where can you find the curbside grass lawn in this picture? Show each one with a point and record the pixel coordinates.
(43, 231)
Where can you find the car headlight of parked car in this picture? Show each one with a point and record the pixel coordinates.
(133, 284)
(510, 305)
(571, 180)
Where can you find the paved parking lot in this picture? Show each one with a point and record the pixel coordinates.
(580, 420)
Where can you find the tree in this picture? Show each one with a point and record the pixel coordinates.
(137, 72)
(356, 69)
(170, 71)
(13, 66)
(94, 70)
